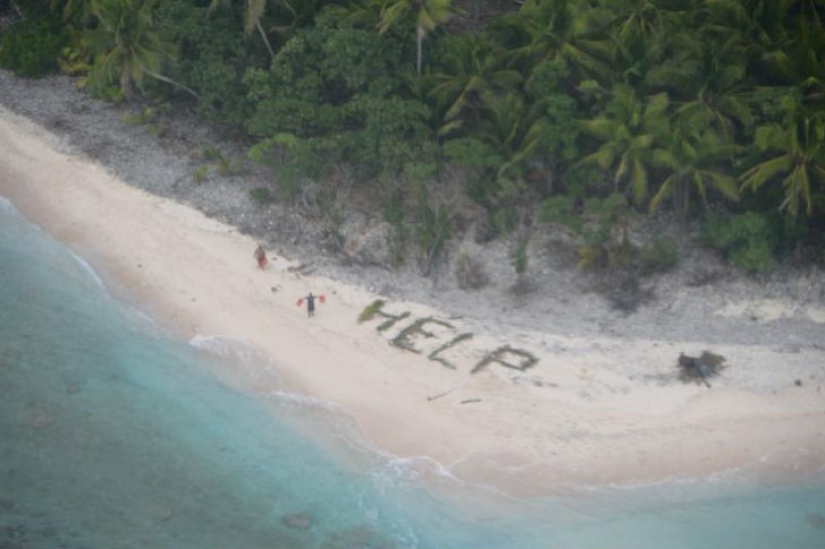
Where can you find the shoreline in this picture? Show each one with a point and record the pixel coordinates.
(591, 411)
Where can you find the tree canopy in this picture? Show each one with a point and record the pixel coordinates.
(682, 105)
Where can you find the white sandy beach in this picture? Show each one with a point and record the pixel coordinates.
(589, 411)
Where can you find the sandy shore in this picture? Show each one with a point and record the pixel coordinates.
(531, 411)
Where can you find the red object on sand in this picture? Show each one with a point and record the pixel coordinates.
(322, 299)
(300, 302)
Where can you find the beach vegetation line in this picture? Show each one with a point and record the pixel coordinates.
(524, 118)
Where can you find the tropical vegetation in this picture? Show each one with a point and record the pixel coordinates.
(710, 110)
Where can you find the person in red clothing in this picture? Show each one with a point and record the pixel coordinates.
(260, 257)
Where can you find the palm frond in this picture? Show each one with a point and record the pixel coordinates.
(797, 190)
(638, 182)
(763, 172)
(723, 183)
(665, 190)
(603, 158)
(601, 128)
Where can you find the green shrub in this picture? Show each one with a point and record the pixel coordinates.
(213, 154)
(225, 166)
(213, 55)
(659, 255)
(397, 238)
(606, 245)
(560, 209)
(31, 47)
(149, 118)
(200, 174)
(470, 273)
(261, 195)
(333, 90)
(602, 225)
(433, 227)
(73, 61)
(756, 257)
(293, 161)
(519, 255)
(324, 203)
(145, 116)
(749, 241)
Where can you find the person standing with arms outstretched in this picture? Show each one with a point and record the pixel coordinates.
(310, 299)
(310, 305)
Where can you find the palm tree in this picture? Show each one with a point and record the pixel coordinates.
(473, 77)
(127, 46)
(629, 130)
(710, 77)
(254, 10)
(74, 10)
(641, 18)
(799, 161)
(551, 29)
(295, 14)
(428, 15)
(693, 160)
(514, 133)
(635, 59)
(801, 62)
(639, 35)
(358, 13)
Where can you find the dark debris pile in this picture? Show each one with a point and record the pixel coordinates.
(701, 368)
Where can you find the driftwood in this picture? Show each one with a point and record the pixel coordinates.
(439, 395)
(700, 368)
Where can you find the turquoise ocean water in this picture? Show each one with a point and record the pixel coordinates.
(114, 434)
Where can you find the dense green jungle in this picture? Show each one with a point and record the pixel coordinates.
(587, 114)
